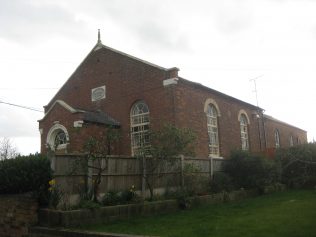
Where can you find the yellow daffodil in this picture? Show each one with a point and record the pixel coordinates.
(52, 182)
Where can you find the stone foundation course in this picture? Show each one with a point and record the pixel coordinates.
(17, 213)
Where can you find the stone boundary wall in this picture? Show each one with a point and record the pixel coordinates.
(56, 218)
(17, 213)
(48, 232)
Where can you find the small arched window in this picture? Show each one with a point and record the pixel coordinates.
(57, 137)
(277, 138)
(60, 138)
(244, 132)
(212, 129)
(139, 126)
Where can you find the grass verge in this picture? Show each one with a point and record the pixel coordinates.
(289, 214)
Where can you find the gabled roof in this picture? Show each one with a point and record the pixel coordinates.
(268, 117)
(97, 117)
(99, 46)
(199, 85)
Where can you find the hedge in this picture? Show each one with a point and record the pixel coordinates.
(25, 174)
(298, 165)
(250, 171)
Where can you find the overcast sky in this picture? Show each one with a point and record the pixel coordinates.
(221, 44)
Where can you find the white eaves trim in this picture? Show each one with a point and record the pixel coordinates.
(64, 105)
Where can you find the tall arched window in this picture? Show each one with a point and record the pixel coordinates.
(139, 126)
(277, 138)
(291, 141)
(244, 132)
(212, 128)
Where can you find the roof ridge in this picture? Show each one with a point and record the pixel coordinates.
(99, 45)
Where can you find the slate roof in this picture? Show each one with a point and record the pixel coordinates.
(99, 117)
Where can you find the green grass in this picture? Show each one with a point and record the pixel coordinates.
(288, 214)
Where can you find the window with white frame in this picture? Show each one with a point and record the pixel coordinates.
(212, 129)
(139, 126)
(277, 138)
(244, 132)
(60, 138)
(291, 141)
(57, 137)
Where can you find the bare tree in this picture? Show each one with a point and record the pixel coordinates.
(7, 149)
(97, 153)
(166, 144)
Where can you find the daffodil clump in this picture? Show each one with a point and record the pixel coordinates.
(56, 194)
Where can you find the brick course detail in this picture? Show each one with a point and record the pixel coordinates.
(181, 102)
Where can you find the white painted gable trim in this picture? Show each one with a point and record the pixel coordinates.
(64, 105)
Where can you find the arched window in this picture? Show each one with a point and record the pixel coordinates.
(298, 141)
(277, 138)
(139, 126)
(291, 141)
(212, 129)
(57, 137)
(244, 132)
(60, 138)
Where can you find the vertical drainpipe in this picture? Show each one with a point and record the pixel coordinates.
(264, 131)
(172, 73)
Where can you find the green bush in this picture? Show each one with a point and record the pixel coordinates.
(195, 183)
(221, 182)
(297, 165)
(26, 174)
(250, 171)
(112, 198)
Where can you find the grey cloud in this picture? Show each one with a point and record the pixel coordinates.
(234, 17)
(14, 123)
(149, 21)
(22, 21)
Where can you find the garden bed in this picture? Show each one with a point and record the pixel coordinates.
(72, 218)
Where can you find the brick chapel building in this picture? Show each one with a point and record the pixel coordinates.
(112, 88)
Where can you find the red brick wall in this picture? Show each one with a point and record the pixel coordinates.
(190, 113)
(285, 131)
(128, 80)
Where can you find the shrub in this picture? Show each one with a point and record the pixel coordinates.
(112, 198)
(250, 171)
(87, 204)
(194, 181)
(26, 174)
(298, 165)
(221, 182)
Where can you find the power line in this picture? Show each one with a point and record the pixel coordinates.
(21, 106)
(34, 88)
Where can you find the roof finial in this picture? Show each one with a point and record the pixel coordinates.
(99, 37)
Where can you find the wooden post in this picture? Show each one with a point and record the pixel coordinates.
(90, 175)
(144, 174)
(211, 167)
(182, 170)
(51, 156)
